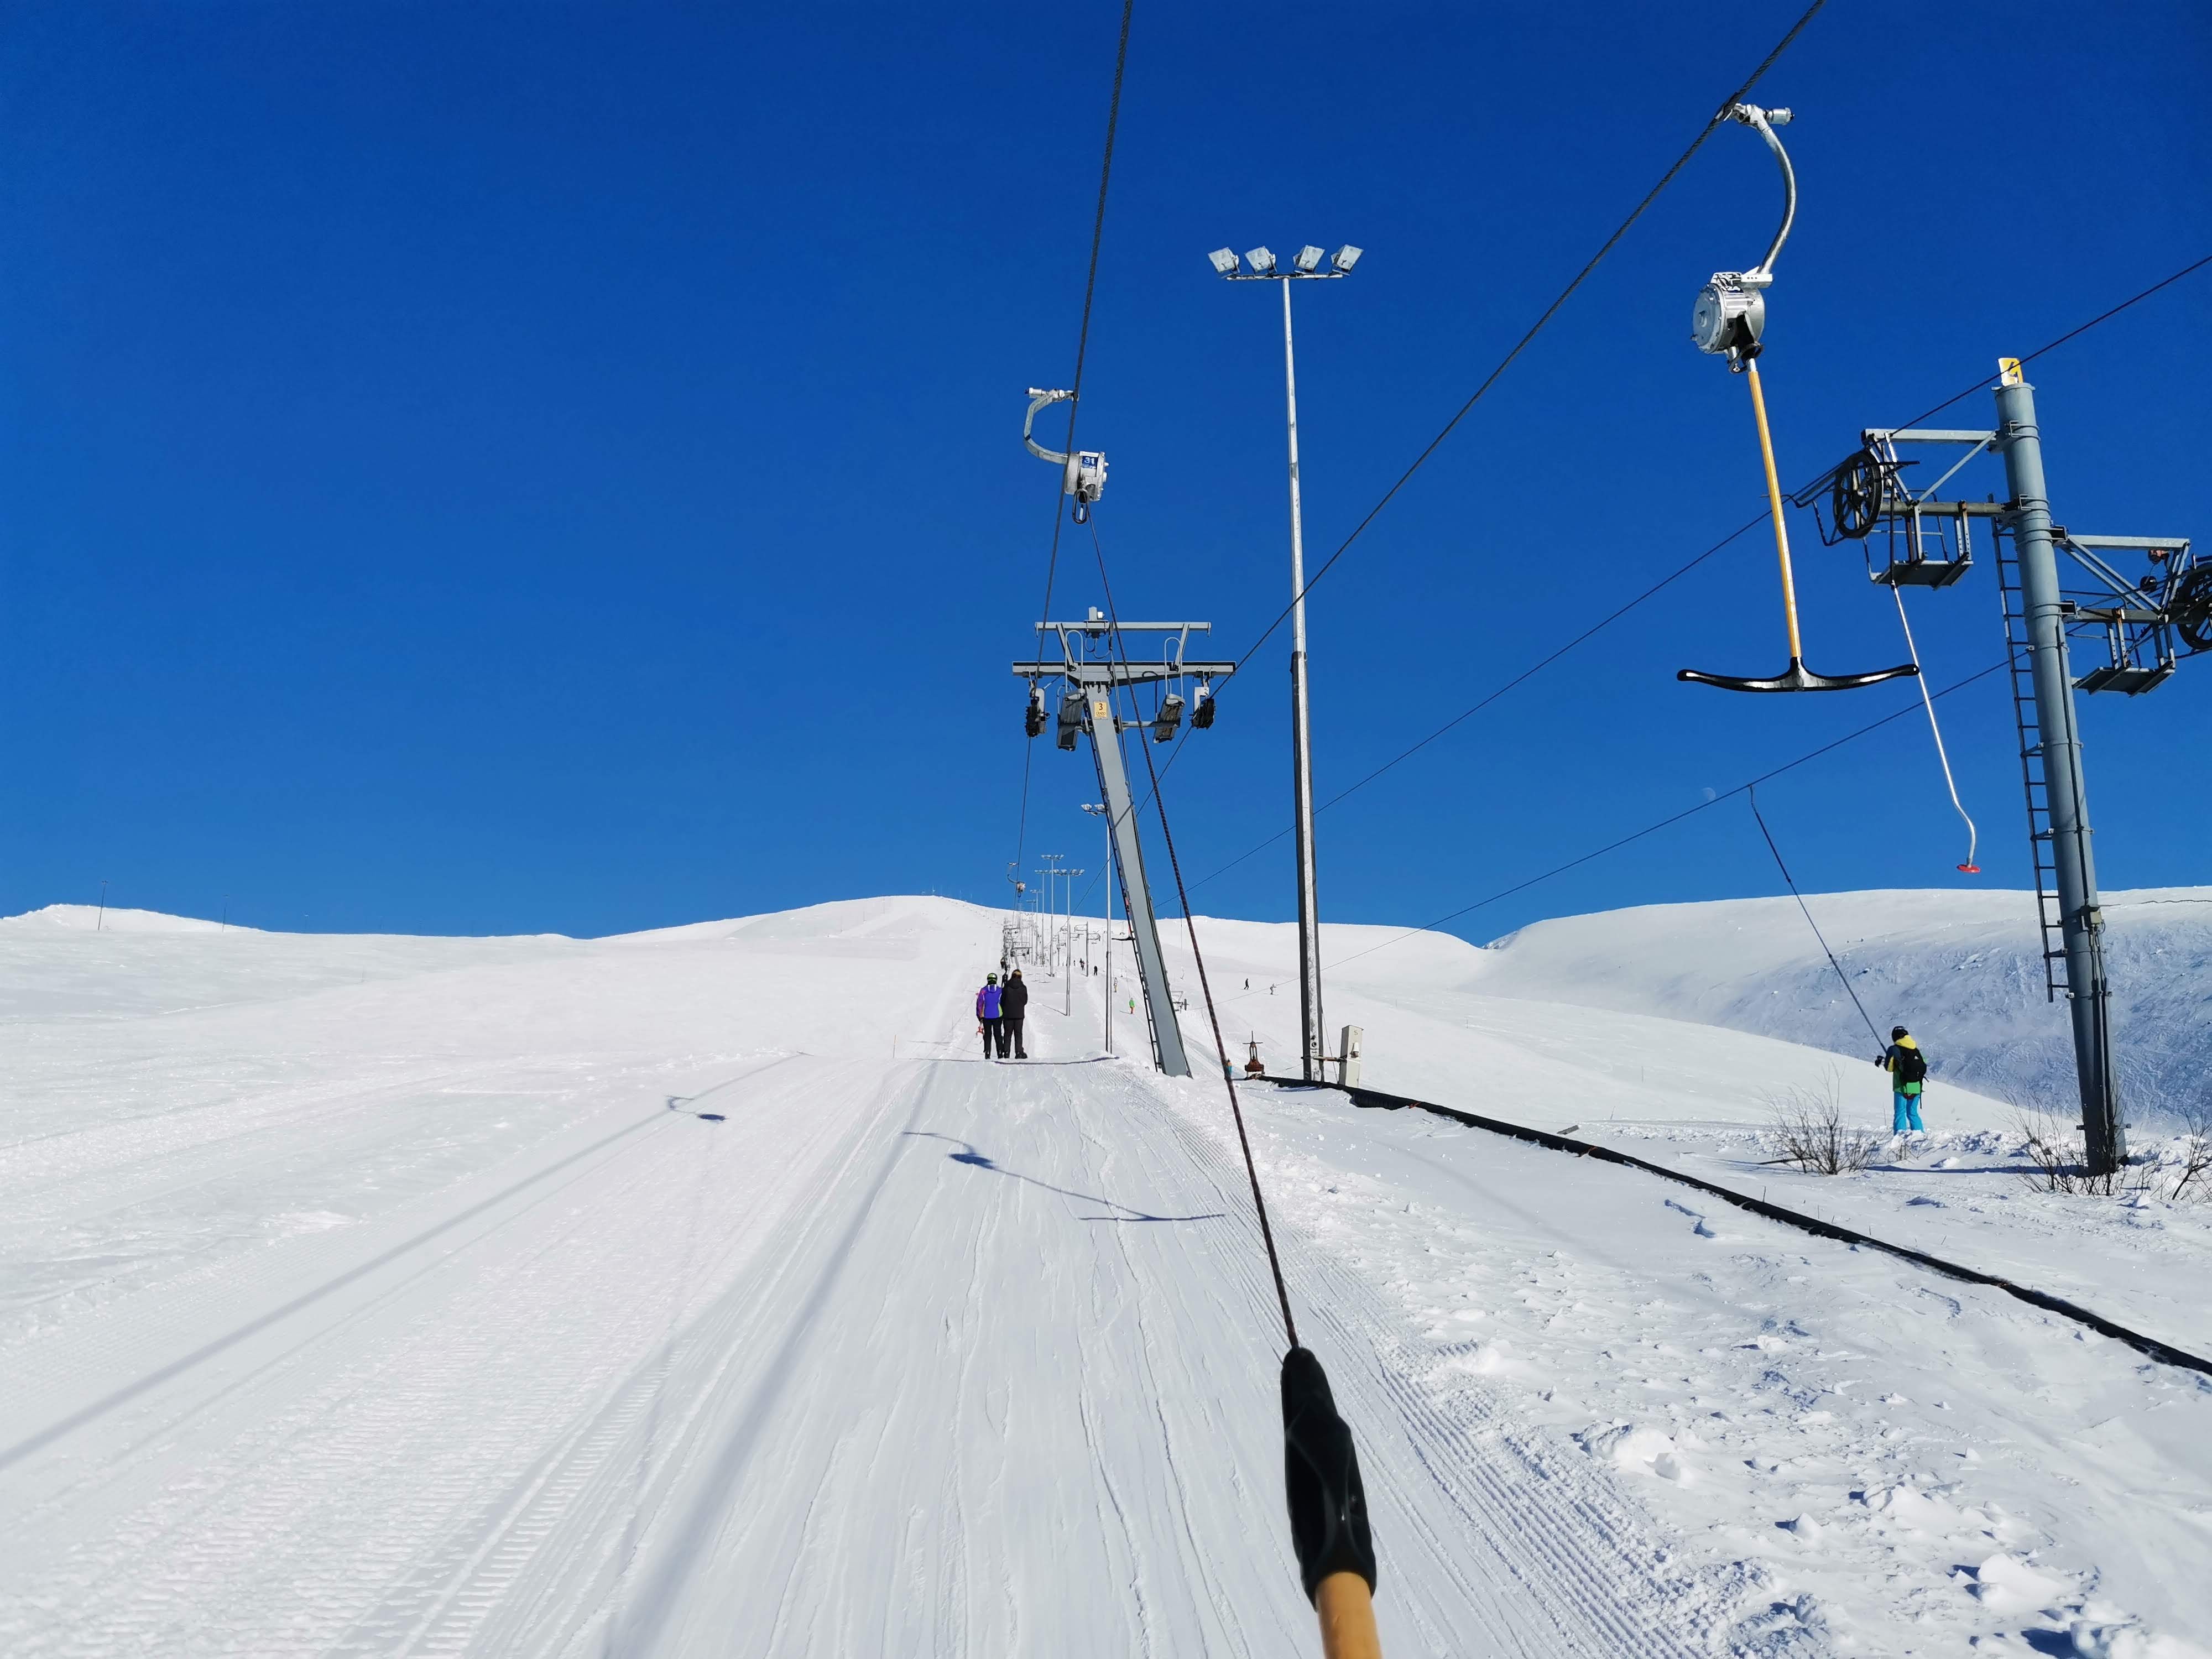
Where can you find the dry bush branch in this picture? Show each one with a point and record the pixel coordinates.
(2058, 1162)
(1806, 1125)
(2191, 1173)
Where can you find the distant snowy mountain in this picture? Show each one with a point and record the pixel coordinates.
(1961, 969)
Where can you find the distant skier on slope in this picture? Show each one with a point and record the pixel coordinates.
(1908, 1072)
(1013, 1005)
(986, 1015)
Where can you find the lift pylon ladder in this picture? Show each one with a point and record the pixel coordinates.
(1095, 666)
(2020, 673)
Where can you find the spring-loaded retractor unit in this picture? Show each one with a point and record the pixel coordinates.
(1729, 318)
(1083, 475)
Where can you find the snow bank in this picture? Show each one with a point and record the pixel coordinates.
(1962, 969)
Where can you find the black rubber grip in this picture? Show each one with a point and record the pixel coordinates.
(1321, 1476)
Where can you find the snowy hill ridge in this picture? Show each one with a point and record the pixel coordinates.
(1962, 969)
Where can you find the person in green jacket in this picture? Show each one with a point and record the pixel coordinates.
(1908, 1072)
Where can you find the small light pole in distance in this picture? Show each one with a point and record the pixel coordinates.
(1304, 264)
(1067, 905)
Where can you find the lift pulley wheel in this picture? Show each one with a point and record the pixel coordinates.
(1855, 497)
(2191, 607)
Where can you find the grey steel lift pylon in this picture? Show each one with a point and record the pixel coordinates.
(1929, 543)
(1093, 669)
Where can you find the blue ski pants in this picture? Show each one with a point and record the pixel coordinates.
(1907, 1115)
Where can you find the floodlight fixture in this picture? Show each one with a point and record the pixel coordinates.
(1169, 717)
(1346, 257)
(1225, 261)
(1308, 259)
(1261, 261)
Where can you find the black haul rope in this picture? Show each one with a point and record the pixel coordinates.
(1751, 792)
(1537, 327)
(2164, 1352)
(1322, 1485)
(1082, 351)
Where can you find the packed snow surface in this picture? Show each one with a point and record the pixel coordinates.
(705, 1293)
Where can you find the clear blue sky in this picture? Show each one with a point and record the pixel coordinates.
(554, 467)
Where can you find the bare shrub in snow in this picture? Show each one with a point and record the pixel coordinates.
(1807, 1125)
(2058, 1162)
(2186, 1170)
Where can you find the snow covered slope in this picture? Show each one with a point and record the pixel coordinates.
(1962, 969)
(701, 1292)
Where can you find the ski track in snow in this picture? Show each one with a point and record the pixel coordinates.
(486, 1344)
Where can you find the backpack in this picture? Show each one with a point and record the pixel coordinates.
(1912, 1065)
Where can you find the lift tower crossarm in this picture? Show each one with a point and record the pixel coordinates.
(1115, 673)
(1927, 435)
(1094, 666)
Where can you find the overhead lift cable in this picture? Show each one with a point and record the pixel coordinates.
(1082, 349)
(1671, 819)
(1806, 494)
(1751, 792)
(1527, 673)
(1537, 327)
(1801, 496)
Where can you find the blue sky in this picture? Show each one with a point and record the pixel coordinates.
(555, 467)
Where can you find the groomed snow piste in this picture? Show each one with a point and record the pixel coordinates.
(393, 1296)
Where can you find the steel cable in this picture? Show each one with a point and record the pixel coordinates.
(1752, 793)
(1206, 988)
(1653, 829)
(1082, 351)
(1537, 327)
(1799, 496)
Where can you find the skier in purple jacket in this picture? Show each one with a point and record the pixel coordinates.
(986, 1015)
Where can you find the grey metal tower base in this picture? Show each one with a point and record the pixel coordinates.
(1136, 892)
(2081, 916)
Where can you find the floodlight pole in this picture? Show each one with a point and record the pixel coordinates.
(1097, 809)
(1048, 945)
(1313, 1045)
(1309, 1014)
(2088, 997)
(1067, 980)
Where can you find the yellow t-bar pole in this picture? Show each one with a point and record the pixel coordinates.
(1347, 1618)
(1774, 502)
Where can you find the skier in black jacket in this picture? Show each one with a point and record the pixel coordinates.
(1013, 1003)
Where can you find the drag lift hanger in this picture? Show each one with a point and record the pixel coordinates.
(1731, 316)
(1083, 475)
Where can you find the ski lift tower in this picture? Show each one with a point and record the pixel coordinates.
(1095, 668)
(1929, 542)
